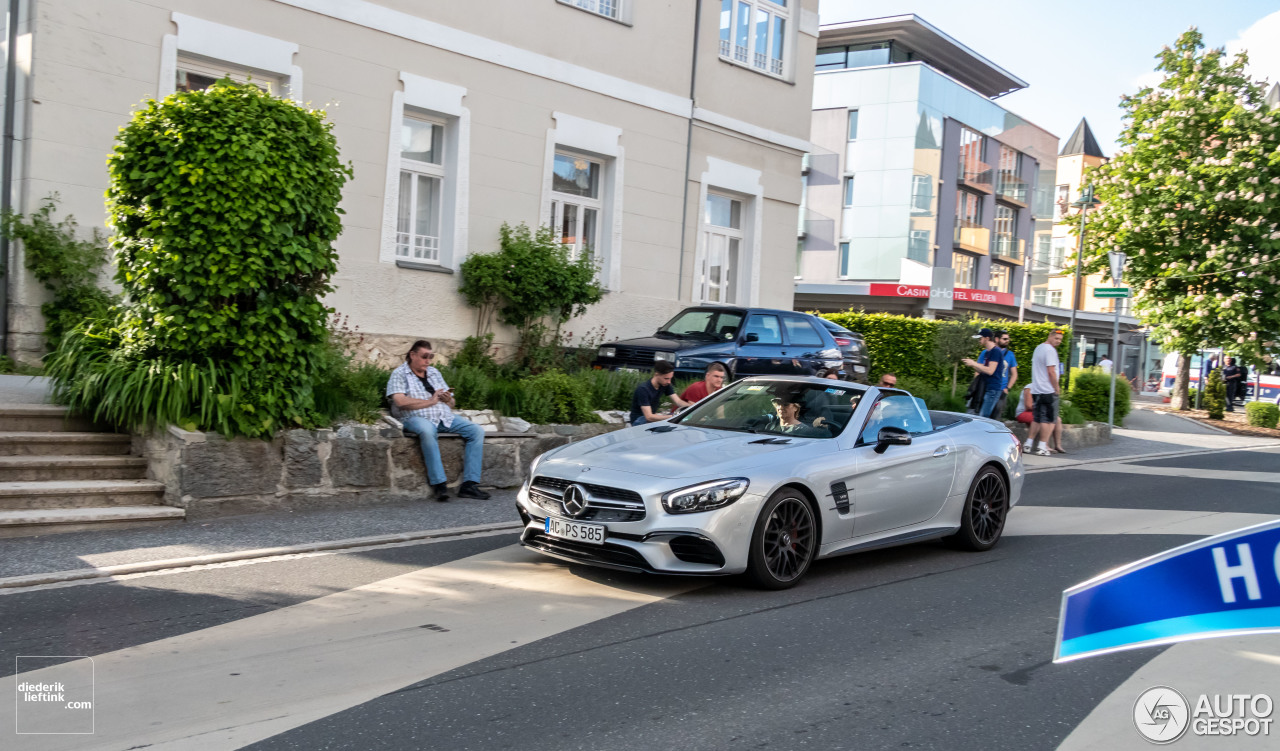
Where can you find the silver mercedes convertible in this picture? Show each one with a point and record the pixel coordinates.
(768, 475)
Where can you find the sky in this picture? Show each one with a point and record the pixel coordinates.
(1080, 57)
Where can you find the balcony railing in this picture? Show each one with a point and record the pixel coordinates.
(972, 237)
(1007, 246)
(976, 174)
(1013, 188)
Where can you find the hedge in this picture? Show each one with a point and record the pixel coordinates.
(1091, 394)
(1262, 414)
(903, 345)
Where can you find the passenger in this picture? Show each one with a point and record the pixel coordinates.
(712, 381)
(888, 381)
(829, 373)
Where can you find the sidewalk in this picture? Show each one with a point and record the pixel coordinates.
(253, 536)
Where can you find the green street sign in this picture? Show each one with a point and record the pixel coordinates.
(1110, 291)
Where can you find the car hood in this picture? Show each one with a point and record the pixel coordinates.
(683, 452)
(657, 342)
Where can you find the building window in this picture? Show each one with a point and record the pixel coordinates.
(853, 125)
(606, 8)
(1038, 296)
(1006, 237)
(844, 259)
(422, 176)
(968, 209)
(1011, 185)
(799, 257)
(1057, 255)
(754, 33)
(575, 202)
(848, 191)
(198, 75)
(972, 168)
(919, 248)
(1061, 201)
(966, 268)
(723, 237)
(1055, 298)
(1000, 278)
(921, 194)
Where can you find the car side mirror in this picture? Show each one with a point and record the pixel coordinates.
(891, 436)
(751, 338)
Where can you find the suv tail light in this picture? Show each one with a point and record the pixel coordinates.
(843, 342)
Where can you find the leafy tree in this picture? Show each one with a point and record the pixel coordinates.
(953, 341)
(224, 204)
(1192, 199)
(1215, 395)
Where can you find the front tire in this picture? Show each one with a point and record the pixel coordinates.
(784, 542)
(985, 509)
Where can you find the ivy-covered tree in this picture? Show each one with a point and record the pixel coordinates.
(1193, 198)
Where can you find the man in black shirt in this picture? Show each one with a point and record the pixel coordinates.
(1232, 376)
(647, 399)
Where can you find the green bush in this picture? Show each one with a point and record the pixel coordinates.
(570, 401)
(225, 208)
(1214, 400)
(1090, 394)
(1070, 413)
(1262, 414)
(610, 389)
(477, 352)
(347, 391)
(918, 386)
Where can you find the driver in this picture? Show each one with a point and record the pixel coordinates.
(788, 406)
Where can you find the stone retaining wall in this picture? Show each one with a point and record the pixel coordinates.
(1073, 436)
(209, 475)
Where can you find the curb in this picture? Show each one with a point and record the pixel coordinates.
(1191, 420)
(106, 572)
(1073, 463)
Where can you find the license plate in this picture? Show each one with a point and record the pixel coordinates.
(589, 533)
(859, 369)
(628, 370)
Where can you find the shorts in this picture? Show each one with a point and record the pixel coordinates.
(1024, 416)
(1045, 407)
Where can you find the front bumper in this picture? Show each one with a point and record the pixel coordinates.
(707, 543)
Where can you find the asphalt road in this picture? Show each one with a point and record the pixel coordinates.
(914, 647)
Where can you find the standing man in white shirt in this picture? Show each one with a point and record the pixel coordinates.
(1045, 392)
(1106, 364)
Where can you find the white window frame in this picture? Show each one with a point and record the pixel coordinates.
(600, 143)
(218, 70)
(727, 267)
(971, 279)
(1007, 272)
(560, 200)
(621, 9)
(1057, 254)
(409, 245)
(842, 259)
(219, 45)
(439, 103)
(925, 181)
(851, 125)
(1055, 298)
(1039, 296)
(1062, 198)
(746, 184)
(846, 191)
(749, 56)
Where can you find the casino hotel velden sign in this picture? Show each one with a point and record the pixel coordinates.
(959, 294)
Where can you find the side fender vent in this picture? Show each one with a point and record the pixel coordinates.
(841, 495)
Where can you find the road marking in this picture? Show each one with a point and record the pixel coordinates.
(235, 684)
(1067, 520)
(1229, 475)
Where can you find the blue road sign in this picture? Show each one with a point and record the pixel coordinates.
(1224, 585)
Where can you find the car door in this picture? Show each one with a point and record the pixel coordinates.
(760, 346)
(904, 485)
(804, 345)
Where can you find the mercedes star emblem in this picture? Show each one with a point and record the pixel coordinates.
(575, 500)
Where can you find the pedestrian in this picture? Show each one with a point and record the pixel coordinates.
(989, 365)
(1026, 414)
(712, 381)
(1010, 371)
(887, 381)
(830, 374)
(423, 402)
(647, 398)
(1106, 364)
(1045, 391)
(1232, 377)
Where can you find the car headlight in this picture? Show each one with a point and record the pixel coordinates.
(668, 356)
(705, 496)
(608, 352)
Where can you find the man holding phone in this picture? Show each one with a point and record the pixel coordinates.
(990, 365)
(423, 402)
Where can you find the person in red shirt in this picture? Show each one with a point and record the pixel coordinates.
(712, 381)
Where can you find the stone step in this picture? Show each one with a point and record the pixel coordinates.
(27, 443)
(42, 418)
(83, 467)
(28, 522)
(65, 494)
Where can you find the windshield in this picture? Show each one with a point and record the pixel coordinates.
(780, 408)
(718, 325)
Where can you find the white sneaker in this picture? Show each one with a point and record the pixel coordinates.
(1042, 451)
(1026, 446)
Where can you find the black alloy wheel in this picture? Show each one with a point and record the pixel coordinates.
(784, 542)
(984, 513)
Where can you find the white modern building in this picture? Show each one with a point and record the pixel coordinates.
(664, 138)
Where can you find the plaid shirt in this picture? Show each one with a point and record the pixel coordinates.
(403, 381)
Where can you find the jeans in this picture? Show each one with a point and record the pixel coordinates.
(639, 421)
(472, 458)
(989, 401)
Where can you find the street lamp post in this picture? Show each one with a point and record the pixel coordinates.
(1083, 203)
(1117, 260)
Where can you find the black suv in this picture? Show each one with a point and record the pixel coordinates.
(749, 341)
(857, 363)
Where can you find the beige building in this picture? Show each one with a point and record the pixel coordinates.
(666, 138)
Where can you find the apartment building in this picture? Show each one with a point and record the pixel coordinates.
(923, 194)
(664, 138)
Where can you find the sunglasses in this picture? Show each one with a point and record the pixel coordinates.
(427, 355)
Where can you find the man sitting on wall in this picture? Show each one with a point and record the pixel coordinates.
(422, 401)
(712, 381)
(647, 399)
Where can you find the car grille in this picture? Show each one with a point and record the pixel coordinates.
(605, 504)
(615, 556)
(633, 357)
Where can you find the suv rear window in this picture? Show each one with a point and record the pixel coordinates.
(801, 333)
